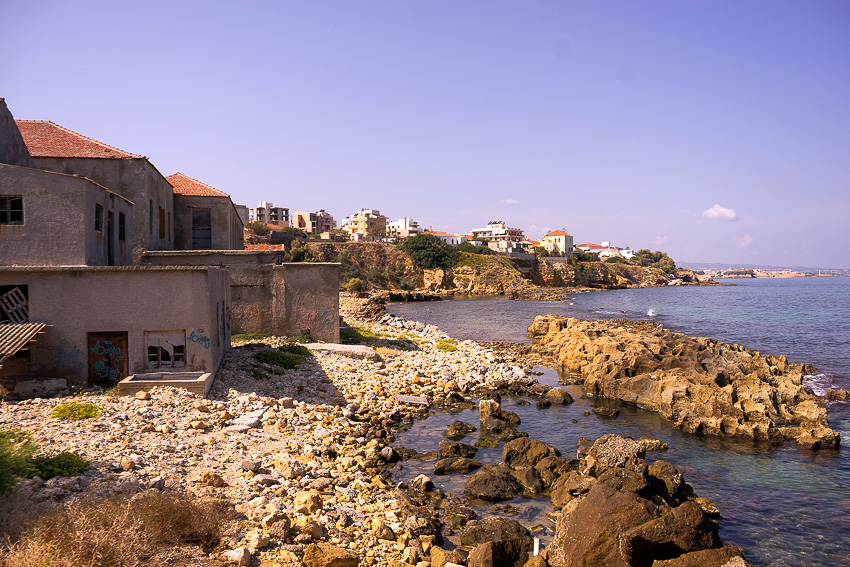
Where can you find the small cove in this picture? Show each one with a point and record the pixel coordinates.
(784, 505)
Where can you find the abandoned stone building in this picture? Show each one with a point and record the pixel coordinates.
(80, 300)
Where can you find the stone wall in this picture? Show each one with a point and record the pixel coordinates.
(272, 298)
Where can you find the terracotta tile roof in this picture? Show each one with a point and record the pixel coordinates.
(436, 233)
(558, 233)
(46, 139)
(185, 185)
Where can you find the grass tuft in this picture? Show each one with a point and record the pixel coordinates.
(74, 410)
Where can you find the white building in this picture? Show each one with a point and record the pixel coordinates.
(496, 230)
(266, 212)
(403, 227)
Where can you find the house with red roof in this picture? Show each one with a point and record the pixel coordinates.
(558, 243)
(204, 217)
(132, 176)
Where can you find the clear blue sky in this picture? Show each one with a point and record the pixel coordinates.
(717, 131)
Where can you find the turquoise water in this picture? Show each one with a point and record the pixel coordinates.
(784, 505)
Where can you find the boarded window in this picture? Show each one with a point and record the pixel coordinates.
(201, 229)
(11, 209)
(14, 305)
(166, 349)
(98, 218)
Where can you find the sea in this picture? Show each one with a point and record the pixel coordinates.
(784, 505)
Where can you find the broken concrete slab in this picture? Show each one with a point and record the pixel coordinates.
(361, 352)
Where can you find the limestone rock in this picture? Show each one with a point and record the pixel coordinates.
(524, 452)
(326, 555)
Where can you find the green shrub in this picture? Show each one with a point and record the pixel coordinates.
(483, 249)
(247, 337)
(258, 374)
(447, 345)
(300, 350)
(428, 251)
(355, 285)
(16, 450)
(300, 339)
(376, 277)
(278, 358)
(73, 410)
(16, 459)
(63, 464)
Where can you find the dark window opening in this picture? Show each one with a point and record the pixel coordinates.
(122, 227)
(11, 209)
(98, 218)
(14, 304)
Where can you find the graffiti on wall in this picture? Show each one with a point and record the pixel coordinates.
(199, 337)
(304, 318)
(110, 364)
(63, 355)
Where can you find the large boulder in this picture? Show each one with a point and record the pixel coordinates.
(326, 555)
(590, 535)
(614, 451)
(524, 452)
(681, 530)
(718, 557)
(502, 553)
(494, 529)
(493, 483)
(448, 448)
(456, 465)
(666, 481)
(551, 468)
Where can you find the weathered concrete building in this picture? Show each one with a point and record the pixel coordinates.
(54, 148)
(105, 323)
(269, 297)
(77, 207)
(53, 219)
(204, 217)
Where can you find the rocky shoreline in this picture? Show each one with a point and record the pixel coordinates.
(305, 456)
(702, 385)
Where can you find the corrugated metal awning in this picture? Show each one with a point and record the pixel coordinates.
(15, 336)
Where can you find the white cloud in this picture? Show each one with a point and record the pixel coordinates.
(507, 202)
(720, 213)
(660, 240)
(743, 241)
(534, 231)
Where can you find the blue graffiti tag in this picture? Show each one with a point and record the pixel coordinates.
(62, 355)
(110, 366)
(199, 338)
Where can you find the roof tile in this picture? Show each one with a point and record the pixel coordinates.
(46, 139)
(185, 185)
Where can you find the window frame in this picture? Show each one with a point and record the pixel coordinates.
(9, 213)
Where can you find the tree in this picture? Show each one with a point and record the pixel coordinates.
(257, 228)
(429, 251)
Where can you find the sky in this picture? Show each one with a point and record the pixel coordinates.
(715, 131)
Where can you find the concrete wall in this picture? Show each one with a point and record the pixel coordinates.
(13, 150)
(78, 301)
(59, 215)
(272, 299)
(227, 233)
(137, 180)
